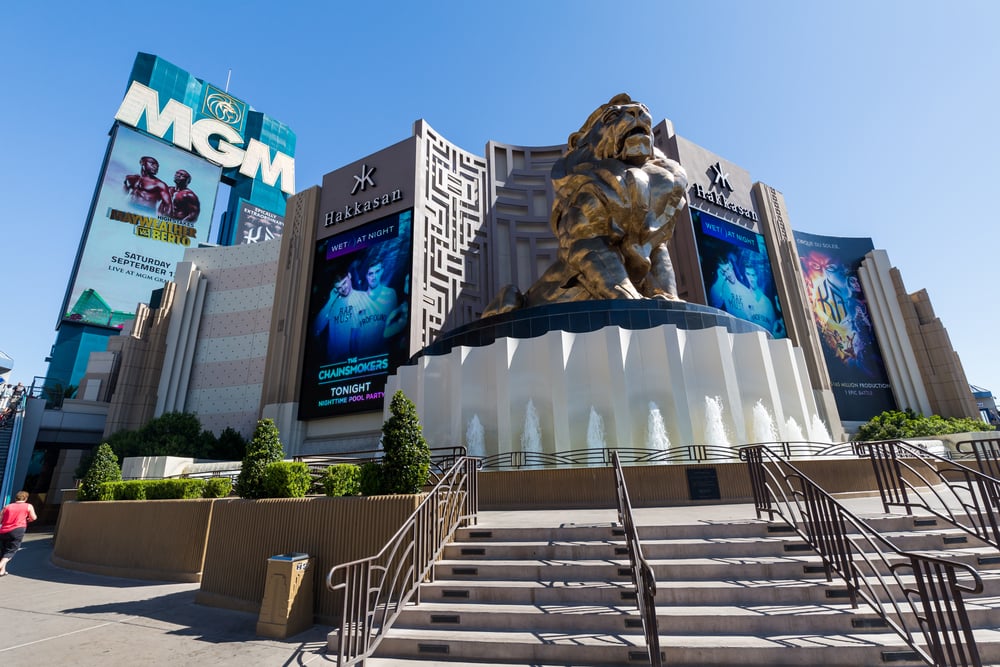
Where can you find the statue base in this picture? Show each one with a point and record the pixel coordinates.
(624, 374)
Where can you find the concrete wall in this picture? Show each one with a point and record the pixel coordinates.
(157, 539)
(650, 486)
(225, 543)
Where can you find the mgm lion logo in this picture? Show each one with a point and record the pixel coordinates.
(616, 203)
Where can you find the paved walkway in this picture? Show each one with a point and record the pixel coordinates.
(54, 616)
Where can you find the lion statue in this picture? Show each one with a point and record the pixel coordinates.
(617, 198)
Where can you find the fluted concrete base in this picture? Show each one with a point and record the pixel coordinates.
(619, 374)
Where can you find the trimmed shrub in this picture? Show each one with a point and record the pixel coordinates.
(286, 479)
(104, 468)
(174, 489)
(370, 478)
(343, 479)
(896, 424)
(131, 490)
(264, 448)
(217, 487)
(108, 491)
(407, 462)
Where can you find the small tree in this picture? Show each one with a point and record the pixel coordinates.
(264, 448)
(407, 462)
(103, 468)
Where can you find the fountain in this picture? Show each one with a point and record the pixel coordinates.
(792, 431)
(763, 424)
(595, 431)
(475, 438)
(531, 436)
(818, 431)
(715, 430)
(656, 432)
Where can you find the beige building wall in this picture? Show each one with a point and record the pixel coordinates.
(776, 228)
(886, 312)
(138, 366)
(922, 345)
(221, 376)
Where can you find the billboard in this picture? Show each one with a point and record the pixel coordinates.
(859, 380)
(152, 202)
(737, 272)
(256, 224)
(359, 317)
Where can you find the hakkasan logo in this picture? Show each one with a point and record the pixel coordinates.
(224, 107)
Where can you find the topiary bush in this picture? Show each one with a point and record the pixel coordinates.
(109, 491)
(286, 479)
(343, 479)
(103, 468)
(153, 489)
(407, 461)
(370, 478)
(264, 448)
(217, 487)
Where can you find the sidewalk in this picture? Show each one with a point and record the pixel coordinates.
(52, 616)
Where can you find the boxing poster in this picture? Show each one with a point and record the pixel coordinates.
(152, 202)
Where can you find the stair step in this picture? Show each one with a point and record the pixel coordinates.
(522, 647)
(747, 592)
(672, 619)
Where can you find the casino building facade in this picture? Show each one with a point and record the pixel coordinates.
(447, 229)
(412, 242)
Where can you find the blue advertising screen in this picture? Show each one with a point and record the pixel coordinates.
(359, 316)
(737, 272)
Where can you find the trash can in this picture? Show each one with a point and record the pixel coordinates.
(287, 607)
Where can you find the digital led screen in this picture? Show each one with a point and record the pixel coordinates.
(359, 316)
(153, 201)
(256, 224)
(737, 273)
(858, 377)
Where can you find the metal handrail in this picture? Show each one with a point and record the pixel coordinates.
(642, 574)
(986, 451)
(442, 459)
(911, 477)
(375, 589)
(601, 457)
(917, 595)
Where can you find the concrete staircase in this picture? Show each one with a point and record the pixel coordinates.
(734, 592)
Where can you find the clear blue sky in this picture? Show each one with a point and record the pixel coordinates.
(873, 118)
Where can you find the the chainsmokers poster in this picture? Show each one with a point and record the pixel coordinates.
(359, 316)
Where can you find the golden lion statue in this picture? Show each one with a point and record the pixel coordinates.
(616, 202)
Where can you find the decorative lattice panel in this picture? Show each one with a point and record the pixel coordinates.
(449, 258)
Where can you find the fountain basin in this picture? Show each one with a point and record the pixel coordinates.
(570, 359)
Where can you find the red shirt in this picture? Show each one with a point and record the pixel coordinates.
(16, 515)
